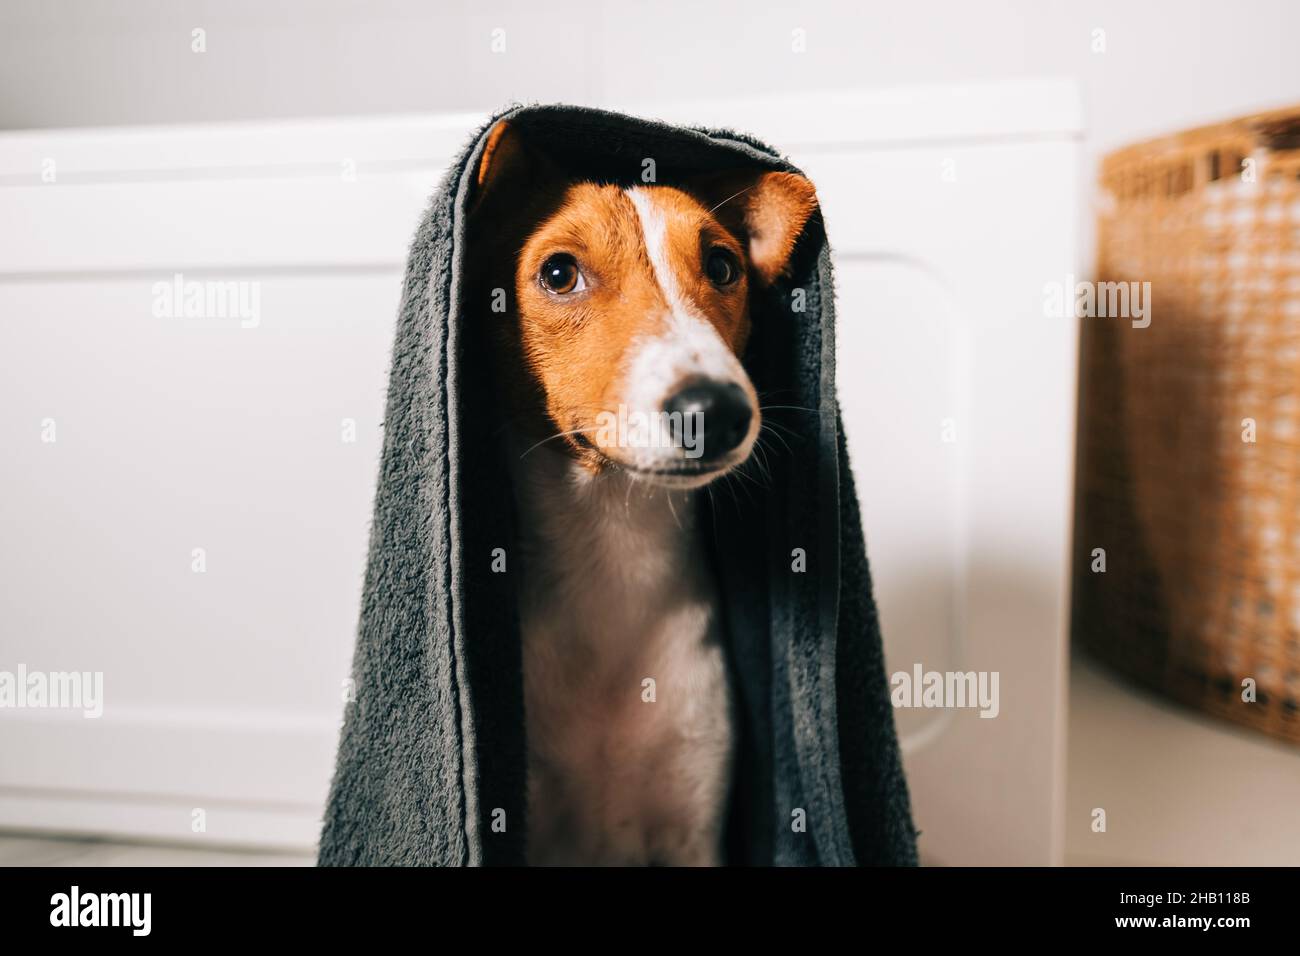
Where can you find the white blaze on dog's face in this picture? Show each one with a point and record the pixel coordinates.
(633, 311)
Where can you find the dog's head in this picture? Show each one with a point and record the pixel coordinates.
(631, 306)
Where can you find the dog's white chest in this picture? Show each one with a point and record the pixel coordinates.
(627, 701)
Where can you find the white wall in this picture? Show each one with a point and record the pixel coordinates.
(1168, 63)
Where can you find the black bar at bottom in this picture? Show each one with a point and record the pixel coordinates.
(466, 908)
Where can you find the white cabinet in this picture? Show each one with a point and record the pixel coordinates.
(948, 210)
(198, 529)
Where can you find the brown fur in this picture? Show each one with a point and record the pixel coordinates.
(561, 357)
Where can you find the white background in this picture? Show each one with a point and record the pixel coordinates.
(1167, 63)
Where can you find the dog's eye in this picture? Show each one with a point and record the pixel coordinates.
(560, 274)
(721, 266)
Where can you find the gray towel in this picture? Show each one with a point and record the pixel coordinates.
(431, 763)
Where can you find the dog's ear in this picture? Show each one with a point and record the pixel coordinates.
(510, 170)
(765, 210)
(503, 161)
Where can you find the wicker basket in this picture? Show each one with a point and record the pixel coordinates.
(1200, 526)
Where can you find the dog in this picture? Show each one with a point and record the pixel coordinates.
(625, 307)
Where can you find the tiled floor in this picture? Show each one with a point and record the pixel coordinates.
(27, 849)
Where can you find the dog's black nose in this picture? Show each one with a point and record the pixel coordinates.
(721, 413)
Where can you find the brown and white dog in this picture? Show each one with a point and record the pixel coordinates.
(624, 305)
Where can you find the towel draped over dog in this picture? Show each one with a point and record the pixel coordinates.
(432, 758)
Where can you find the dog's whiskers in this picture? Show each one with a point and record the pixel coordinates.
(772, 425)
(674, 510)
(729, 198)
(576, 431)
